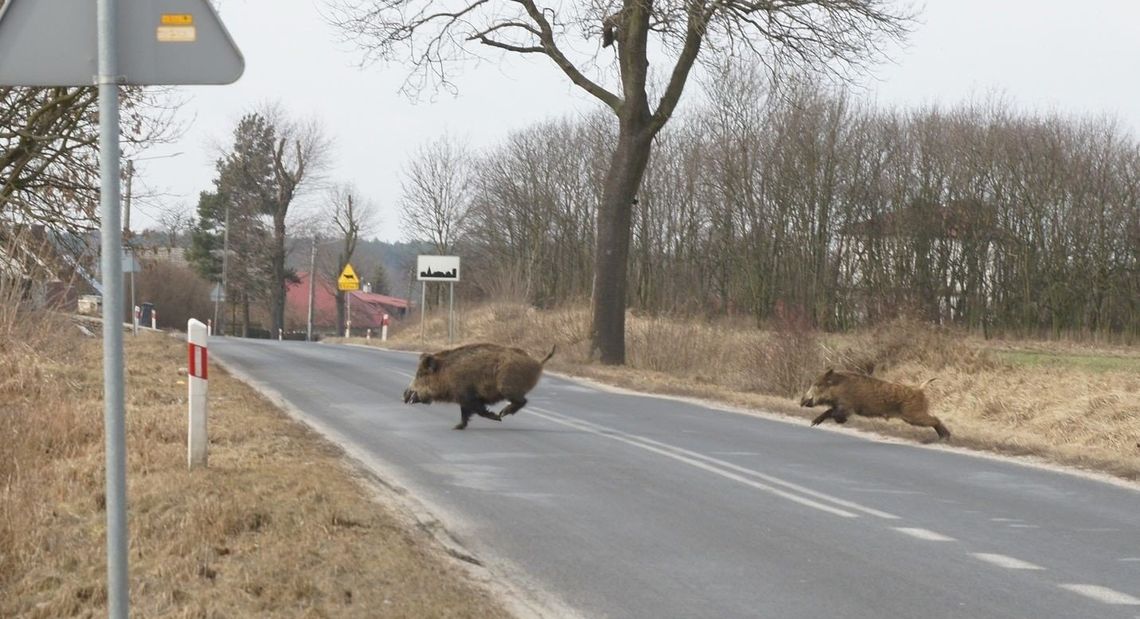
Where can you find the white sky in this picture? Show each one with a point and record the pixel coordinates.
(1043, 55)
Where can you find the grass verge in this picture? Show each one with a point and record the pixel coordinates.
(277, 526)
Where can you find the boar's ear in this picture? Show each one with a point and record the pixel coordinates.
(830, 371)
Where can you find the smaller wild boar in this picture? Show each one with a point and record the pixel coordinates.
(474, 376)
(847, 393)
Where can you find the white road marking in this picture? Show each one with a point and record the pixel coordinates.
(616, 435)
(1130, 560)
(1102, 594)
(733, 467)
(1024, 526)
(925, 534)
(768, 478)
(1007, 562)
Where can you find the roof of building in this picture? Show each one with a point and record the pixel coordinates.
(366, 309)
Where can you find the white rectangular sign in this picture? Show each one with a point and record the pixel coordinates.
(437, 268)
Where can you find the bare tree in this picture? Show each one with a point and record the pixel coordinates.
(352, 216)
(49, 171)
(299, 154)
(437, 193)
(833, 34)
(177, 223)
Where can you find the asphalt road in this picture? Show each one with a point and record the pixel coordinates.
(623, 505)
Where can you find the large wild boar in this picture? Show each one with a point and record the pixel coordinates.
(474, 376)
(847, 393)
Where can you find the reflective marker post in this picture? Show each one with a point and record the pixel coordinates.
(197, 377)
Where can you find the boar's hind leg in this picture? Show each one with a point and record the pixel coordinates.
(831, 412)
(930, 421)
(512, 408)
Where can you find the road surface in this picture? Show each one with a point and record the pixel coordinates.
(622, 505)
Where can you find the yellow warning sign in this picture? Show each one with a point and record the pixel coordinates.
(348, 279)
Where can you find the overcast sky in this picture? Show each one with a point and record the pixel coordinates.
(1043, 55)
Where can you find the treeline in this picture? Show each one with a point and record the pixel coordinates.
(798, 197)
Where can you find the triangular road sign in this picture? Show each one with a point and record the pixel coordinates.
(54, 43)
(348, 279)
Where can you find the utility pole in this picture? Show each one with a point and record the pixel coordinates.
(225, 265)
(130, 173)
(312, 287)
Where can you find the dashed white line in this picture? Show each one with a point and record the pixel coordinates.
(1010, 563)
(928, 535)
(1102, 594)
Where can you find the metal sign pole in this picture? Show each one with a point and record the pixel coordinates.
(114, 422)
(451, 314)
(423, 308)
(133, 321)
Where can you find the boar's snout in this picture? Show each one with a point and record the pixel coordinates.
(411, 396)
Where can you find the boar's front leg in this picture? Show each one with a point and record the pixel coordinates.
(482, 411)
(464, 415)
(825, 415)
(472, 405)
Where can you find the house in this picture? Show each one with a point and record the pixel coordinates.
(366, 310)
(43, 266)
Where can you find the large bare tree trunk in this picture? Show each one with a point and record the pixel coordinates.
(277, 292)
(612, 256)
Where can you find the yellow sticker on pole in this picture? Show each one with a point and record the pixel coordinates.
(177, 19)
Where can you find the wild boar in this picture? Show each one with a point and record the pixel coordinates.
(847, 393)
(474, 376)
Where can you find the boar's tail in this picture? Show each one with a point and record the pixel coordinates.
(927, 382)
(552, 349)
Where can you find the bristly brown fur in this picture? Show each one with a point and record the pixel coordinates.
(474, 376)
(850, 393)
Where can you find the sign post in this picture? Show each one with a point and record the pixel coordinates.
(197, 373)
(438, 269)
(348, 282)
(109, 43)
(131, 265)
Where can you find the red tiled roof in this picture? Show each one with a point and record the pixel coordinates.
(367, 309)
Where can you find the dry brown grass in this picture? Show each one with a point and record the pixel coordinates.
(1065, 409)
(276, 527)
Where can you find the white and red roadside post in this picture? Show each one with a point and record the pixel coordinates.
(384, 328)
(209, 326)
(197, 376)
(154, 318)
